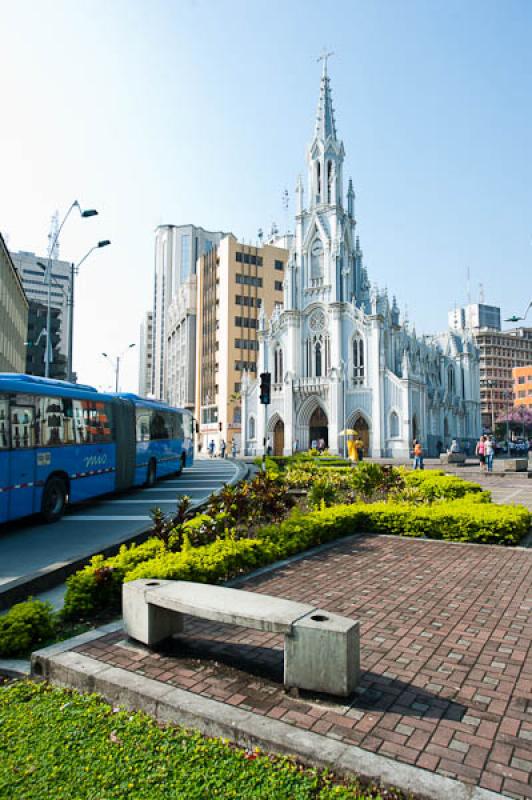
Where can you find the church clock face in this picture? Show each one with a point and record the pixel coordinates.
(317, 321)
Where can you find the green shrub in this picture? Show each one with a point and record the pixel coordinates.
(467, 519)
(24, 626)
(321, 491)
(434, 485)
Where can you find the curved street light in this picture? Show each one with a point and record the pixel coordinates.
(515, 318)
(116, 362)
(74, 269)
(84, 213)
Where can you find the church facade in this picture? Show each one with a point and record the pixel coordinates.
(339, 357)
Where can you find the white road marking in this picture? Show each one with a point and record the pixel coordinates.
(148, 500)
(176, 489)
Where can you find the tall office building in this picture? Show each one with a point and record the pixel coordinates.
(177, 249)
(35, 285)
(475, 316)
(235, 281)
(500, 353)
(13, 315)
(146, 355)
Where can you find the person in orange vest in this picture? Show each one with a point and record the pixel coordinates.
(418, 455)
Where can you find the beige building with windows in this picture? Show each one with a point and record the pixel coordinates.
(500, 353)
(13, 315)
(234, 282)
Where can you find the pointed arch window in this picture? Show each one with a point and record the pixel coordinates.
(358, 359)
(394, 424)
(318, 181)
(450, 380)
(317, 356)
(316, 259)
(252, 427)
(329, 180)
(278, 365)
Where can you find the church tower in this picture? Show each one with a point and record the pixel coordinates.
(323, 266)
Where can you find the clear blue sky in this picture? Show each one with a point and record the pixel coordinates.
(174, 112)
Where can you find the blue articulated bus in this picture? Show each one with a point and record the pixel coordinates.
(64, 442)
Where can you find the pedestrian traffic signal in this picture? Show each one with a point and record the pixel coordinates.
(220, 426)
(265, 388)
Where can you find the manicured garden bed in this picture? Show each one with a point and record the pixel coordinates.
(63, 745)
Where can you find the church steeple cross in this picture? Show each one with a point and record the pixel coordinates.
(324, 56)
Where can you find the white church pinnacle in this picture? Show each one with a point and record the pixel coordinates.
(325, 125)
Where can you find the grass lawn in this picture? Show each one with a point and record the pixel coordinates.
(63, 745)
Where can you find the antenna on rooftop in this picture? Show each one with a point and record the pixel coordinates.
(468, 286)
(481, 293)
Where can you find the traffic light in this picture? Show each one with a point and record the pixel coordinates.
(265, 388)
(220, 426)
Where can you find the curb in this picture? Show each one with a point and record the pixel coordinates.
(44, 579)
(168, 704)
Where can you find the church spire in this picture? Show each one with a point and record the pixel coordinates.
(325, 124)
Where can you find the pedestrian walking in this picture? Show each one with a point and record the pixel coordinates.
(480, 451)
(222, 448)
(489, 453)
(233, 449)
(418, 455)
(211, 448)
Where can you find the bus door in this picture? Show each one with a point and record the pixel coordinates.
(4, 456)
(22, 457)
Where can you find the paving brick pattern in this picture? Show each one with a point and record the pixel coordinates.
(445, 648)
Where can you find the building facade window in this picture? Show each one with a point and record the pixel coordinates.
(279, 286)
(278, 365)
(279, 265)
(185, 257)
(358, 359)
(394, 425)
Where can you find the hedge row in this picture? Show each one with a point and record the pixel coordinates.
(98, 586)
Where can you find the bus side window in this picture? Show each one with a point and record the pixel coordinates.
(22, 429)
(4, 422)
(68, 421)
(143, 426)
(158, 428)
(50, 421)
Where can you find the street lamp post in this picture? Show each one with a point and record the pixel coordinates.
(90, 212)
(116, 363)
(74, 269)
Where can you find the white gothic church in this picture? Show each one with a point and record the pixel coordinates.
(337, 352)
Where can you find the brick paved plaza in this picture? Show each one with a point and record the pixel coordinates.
(445, 650)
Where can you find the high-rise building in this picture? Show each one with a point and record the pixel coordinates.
(13, 315)
(236, 284)
(522, 390)
(500, 353)
(35, 354)
(177, 249)
(146, 355)
(475, 316)
(35, 284)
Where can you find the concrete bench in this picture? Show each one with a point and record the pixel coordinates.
(321, 652)
(515, 464)
(452, 458)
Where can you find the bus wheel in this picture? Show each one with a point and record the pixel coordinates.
(152, 473)
(54, 499)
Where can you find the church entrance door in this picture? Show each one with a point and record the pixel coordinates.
(318, 427)
(278, 438)
(362, 429)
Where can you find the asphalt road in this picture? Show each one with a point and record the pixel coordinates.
(30, 547)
